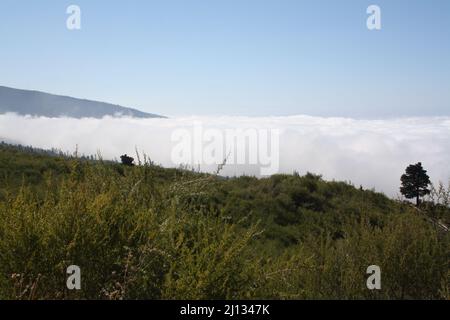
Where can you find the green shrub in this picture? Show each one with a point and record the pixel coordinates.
(146, 232)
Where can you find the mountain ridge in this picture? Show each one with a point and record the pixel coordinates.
(39, 103)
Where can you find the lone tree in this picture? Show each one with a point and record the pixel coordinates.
(415, 182)
(126, 160)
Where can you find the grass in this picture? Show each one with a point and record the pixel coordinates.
(146, 232)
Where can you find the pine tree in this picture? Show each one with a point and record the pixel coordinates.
(415, 182)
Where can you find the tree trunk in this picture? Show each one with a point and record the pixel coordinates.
(417, 197)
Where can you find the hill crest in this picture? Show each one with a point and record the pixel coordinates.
(37, 103)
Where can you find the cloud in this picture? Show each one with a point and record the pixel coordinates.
(372, 153)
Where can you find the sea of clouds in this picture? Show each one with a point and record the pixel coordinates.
(371, 153)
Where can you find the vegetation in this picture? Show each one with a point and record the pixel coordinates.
(415, 183)
(126, 160)
(144, 232)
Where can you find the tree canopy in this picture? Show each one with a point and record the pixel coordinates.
(126, 160)
(415, 182)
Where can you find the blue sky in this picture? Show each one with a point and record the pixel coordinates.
(235, 57)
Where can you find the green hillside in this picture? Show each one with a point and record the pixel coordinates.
(146, 232)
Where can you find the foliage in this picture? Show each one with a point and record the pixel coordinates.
(126, 160)
(415, 182)
(145, 232)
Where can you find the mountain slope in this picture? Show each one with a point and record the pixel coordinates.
(145, 232)
(35, 103)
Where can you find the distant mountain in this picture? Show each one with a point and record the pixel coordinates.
(35, 103)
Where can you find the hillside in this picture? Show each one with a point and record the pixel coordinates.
(146, 232)
(35, 103)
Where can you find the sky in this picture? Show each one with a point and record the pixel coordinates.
(235, 57)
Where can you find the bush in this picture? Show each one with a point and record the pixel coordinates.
(144, 232)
